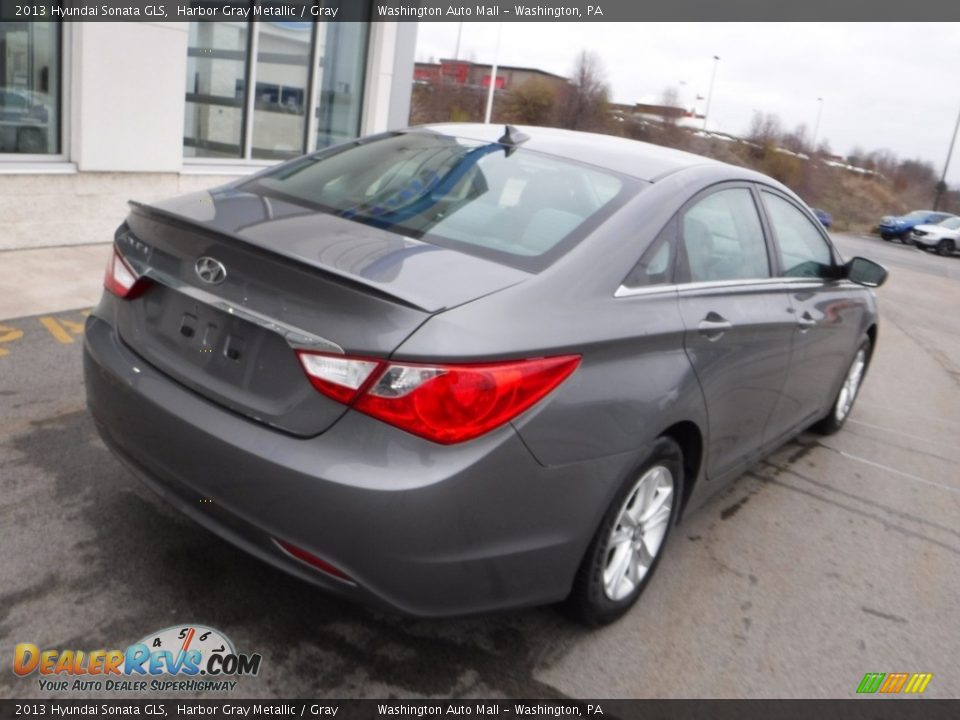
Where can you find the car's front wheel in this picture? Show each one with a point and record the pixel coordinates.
(945, 247)
(627, 546)
(886, 236)
(843, 404)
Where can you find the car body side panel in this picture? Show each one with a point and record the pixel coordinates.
(823, 351)
(741, 369)
(634, 380)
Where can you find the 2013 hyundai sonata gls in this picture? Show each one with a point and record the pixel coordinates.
(453, 369)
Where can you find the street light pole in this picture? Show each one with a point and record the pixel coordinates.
(713, 77)
(456, 51)
(942, 185)
(493, 77)
(816, 126)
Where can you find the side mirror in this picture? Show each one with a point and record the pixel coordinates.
(865, 272)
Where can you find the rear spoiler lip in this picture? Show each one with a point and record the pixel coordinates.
(345, 278)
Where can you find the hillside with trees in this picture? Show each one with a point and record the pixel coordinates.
(857, 189)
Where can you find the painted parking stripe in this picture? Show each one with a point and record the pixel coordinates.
(8, 335)
(61, 329)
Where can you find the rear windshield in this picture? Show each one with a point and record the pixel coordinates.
(518, 207)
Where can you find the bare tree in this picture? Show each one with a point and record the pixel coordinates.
(797, 141)
(445, 102)
(584, 101)
(531, 103)
(670, 99)
(765, 130)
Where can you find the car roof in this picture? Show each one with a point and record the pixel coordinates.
(629, 157)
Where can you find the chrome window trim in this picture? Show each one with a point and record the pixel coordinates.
(624, 291)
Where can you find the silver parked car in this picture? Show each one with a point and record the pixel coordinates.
(944, 237)
(451, 369)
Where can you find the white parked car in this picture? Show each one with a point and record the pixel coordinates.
(943, 237)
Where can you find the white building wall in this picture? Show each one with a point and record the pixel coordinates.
(389, 76)
(127, 93)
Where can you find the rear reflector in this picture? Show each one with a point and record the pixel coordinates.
(120, 279)
(443, 403)
(313, 560)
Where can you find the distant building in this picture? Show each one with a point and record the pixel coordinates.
(470, 74)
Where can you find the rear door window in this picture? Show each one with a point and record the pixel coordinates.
(656, 265)
(721, 238)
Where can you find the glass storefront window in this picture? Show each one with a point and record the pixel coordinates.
(342, 58)
(29, 88)
(280, 104)
(216, 78)
(276, 59)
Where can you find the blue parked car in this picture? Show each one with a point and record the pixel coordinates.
(825, 218)
(892, 226)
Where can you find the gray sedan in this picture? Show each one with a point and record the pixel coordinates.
(453, 369)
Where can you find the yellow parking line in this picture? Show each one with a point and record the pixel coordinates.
(8, 334)
(56, 329)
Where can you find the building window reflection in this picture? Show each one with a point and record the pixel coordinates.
(30, 88)
(291, 68)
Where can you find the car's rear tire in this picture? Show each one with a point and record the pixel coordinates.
(945, 247)
(847, 395)
(627, 546)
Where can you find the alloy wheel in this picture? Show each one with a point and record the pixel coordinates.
(638, 533)
(851, 385)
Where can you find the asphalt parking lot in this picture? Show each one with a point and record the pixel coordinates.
(834, 557)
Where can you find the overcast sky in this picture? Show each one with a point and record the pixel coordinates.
(890, 86)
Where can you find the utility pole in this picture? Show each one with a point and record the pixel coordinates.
(942, 185)
(713, 78)
(493, 77)
(816, 126)
(456, 51)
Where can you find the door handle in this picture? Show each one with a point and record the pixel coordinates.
(713, 326)
(806, 321)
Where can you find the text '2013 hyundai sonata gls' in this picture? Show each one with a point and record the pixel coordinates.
(454, 369)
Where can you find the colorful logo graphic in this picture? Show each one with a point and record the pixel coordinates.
(185, 651)
(913, 683)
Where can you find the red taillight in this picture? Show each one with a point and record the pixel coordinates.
(311, 559)
(120, 278)
(443, 403)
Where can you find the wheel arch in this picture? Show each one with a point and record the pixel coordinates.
(689, 437)
(872, 335)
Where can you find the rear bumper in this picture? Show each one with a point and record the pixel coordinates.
(424, 529)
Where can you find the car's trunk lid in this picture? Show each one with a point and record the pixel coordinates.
(294, 278)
